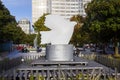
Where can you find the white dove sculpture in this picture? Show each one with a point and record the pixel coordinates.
(61, 30)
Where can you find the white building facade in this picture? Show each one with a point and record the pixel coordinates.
(25, 25)
(39, 7)
(66, 8)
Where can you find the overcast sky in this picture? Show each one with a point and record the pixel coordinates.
(19, 8)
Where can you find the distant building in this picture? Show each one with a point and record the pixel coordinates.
(66, 8)
(25, 25)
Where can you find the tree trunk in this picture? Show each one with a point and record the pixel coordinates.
(116, 54)
(104, 46)
(38, 39)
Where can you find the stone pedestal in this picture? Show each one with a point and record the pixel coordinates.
(59, 52)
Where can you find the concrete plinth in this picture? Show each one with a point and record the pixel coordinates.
(59, 52)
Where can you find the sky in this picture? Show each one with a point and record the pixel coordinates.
(19, 8)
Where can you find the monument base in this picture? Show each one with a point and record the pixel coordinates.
(59, 52)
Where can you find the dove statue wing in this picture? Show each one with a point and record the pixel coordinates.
(61, 30)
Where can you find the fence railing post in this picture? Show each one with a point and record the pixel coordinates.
(115, 73)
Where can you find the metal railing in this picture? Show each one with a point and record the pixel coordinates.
(7, 64)
(32, 55)
(103, 59)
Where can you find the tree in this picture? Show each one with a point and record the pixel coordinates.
(39, 26)
(30, 38)
(79, 37)
(8, 27)
(103, 20)
(13, 33)
(5, 16)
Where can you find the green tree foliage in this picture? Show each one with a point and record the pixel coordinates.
(8, 27)
(13, 33)
(79, 37)
(39, 26)
(5, 17)
(103, 20)
(30, 38)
